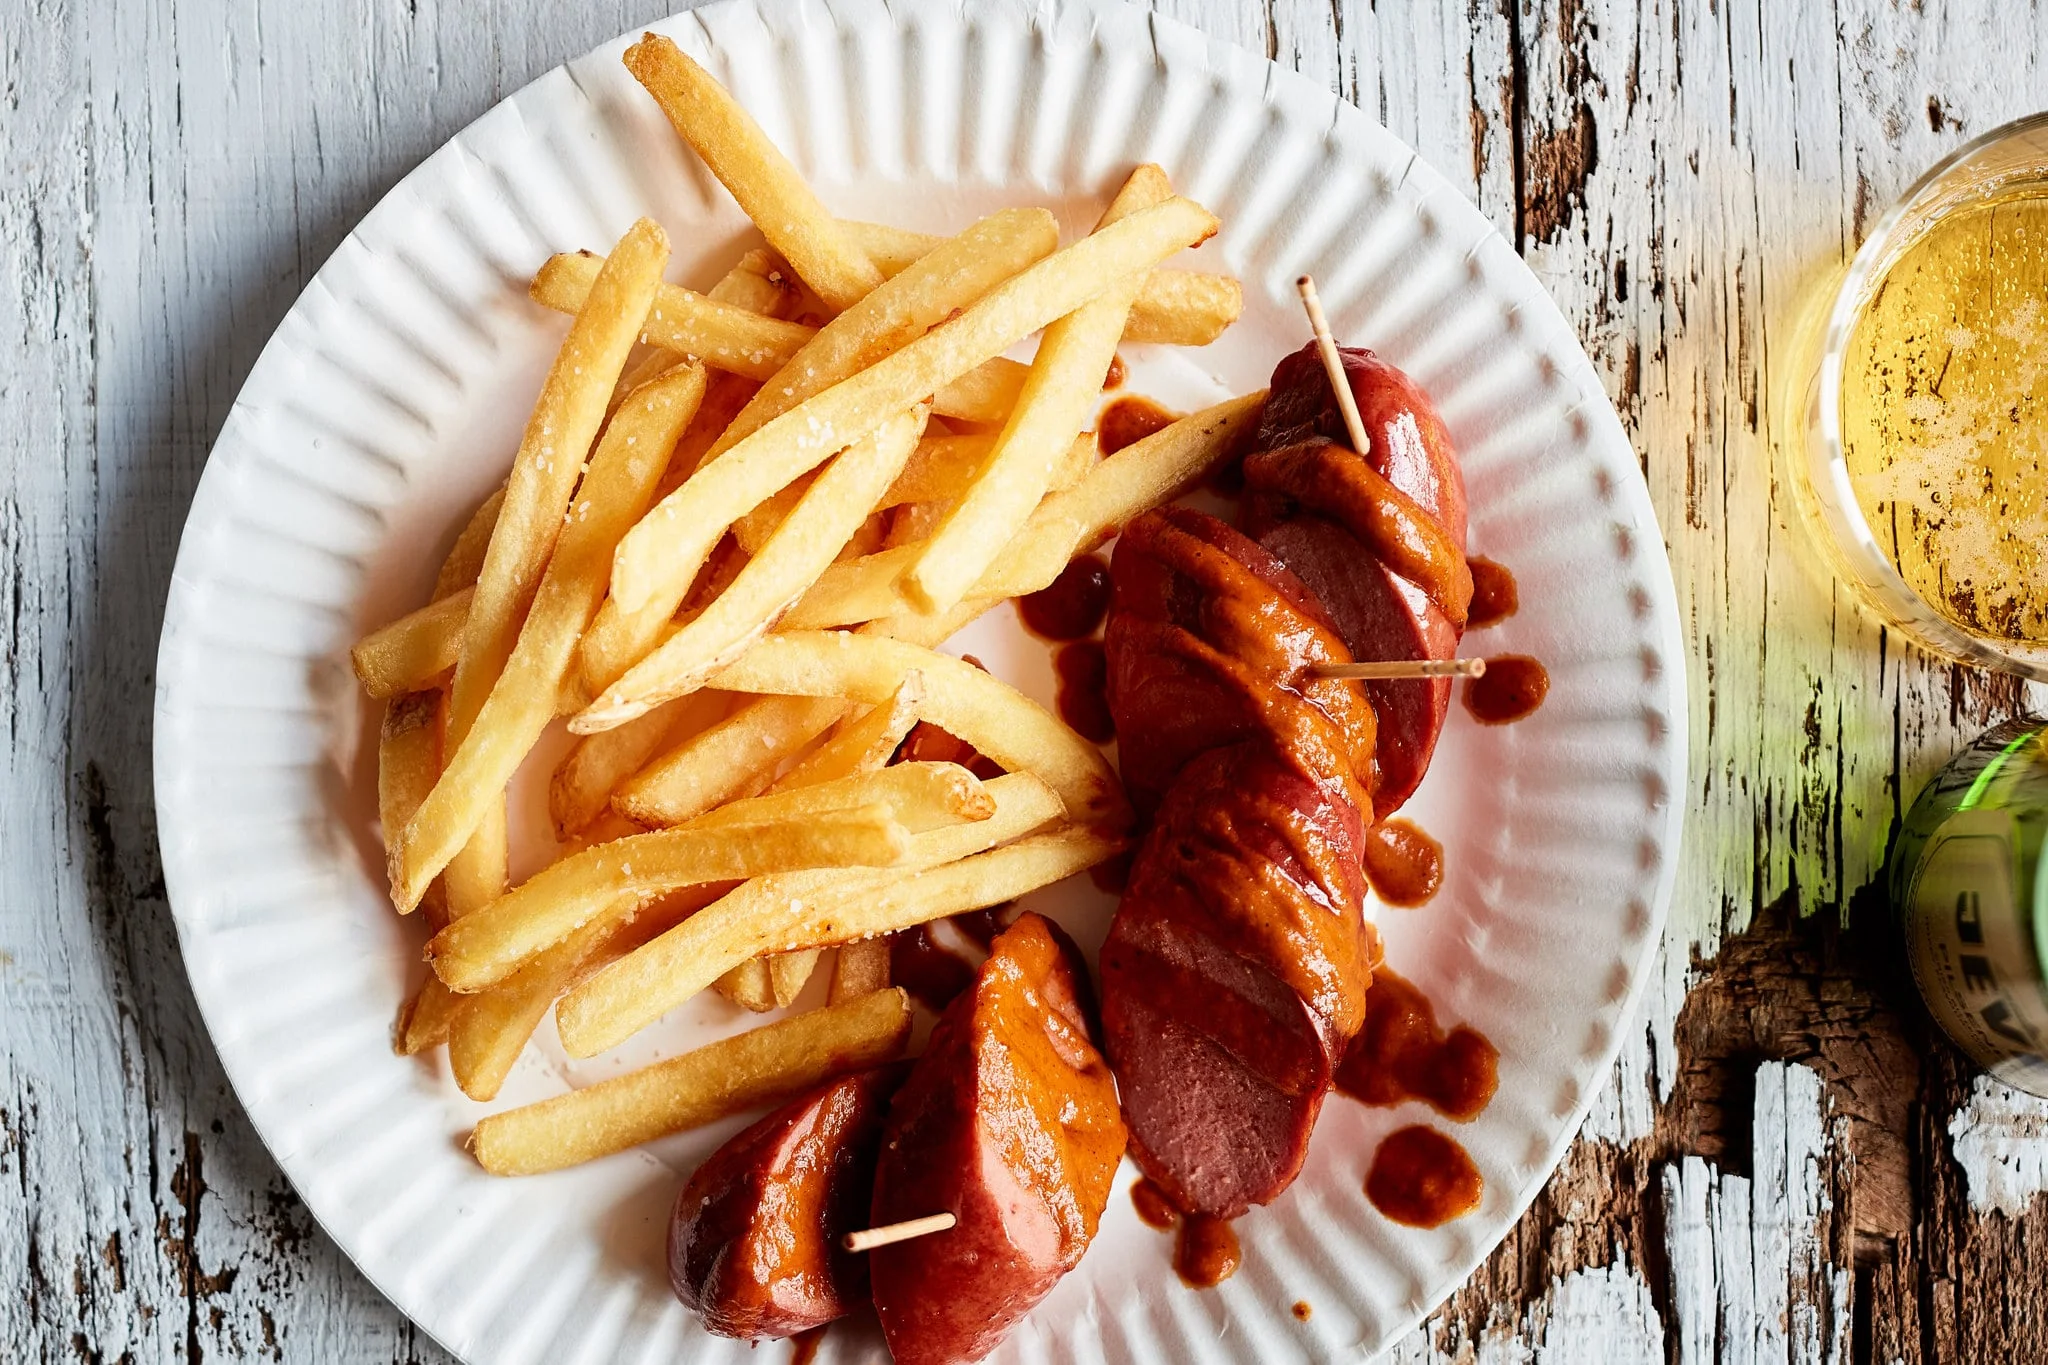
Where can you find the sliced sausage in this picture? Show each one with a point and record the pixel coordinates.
(753, 1243)
(1009, 1122)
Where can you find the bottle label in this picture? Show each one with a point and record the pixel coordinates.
(1973, 953)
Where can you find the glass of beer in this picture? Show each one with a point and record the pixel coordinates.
(1926, 451)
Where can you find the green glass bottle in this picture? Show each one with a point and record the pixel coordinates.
(1971, 890)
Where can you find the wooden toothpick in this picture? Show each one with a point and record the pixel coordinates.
(1404, 668)
(867, 1239)
(1334, 363)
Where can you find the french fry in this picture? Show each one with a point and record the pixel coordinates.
(681, 531)
(961, 699)
(595, 766)
(413, 652)
(769, 190)
(483, 948)
(748, 1071)
(617, 488)
(642, 986)
(803, 547)
(858, 968)
(408, 761)
(789, 973)
(1176, 307)
(862, 743)
(954, 276)
(749, 985)
(1141, 476)
(722, 335)
(760, 283)
(736, 757)
(490, 1029)
(870, 904)
(730, 339)
(859, 744)
(550, 458)
(919, 796)
(1058, 396)
(466, 557)
(944, 464)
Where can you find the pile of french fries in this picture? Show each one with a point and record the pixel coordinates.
(736, 529)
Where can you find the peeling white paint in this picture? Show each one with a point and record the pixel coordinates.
(1750, 1281)
(2000, 1139)
(1601, 1313)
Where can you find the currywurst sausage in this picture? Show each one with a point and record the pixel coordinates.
(753, 1244)
(1009, 1122)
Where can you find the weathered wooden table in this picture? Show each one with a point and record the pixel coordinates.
(1788, 1165)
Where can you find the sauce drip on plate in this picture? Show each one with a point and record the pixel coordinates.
(1404, 865)
(1072, 606)
(1494, 595)
(1301, 1310)
(1402, 1055)
(1130, 418)
(1083, 692)
(1512, 686)
(1114, 379)
(1422, 1178)
(1206, 1253)
(1155, 1210)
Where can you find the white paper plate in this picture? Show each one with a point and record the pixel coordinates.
(388, 403)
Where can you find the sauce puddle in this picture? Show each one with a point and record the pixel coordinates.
(1404, 865)
(1422, 1178)
(1401, 1054)
(1072, 606)
(1082, 693)
(1206, 1253)
(1129, 419)
(1512, 686)
(1494, 595)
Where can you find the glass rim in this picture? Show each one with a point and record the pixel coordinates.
(1828, 465)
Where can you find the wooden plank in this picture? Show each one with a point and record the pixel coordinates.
(1679, 175)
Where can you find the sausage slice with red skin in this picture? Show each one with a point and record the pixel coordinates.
(1235, 971)
(754, 1244)
(1009, 1122)
(1379, 613)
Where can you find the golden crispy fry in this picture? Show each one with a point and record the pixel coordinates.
(940, 469)
(722, 335)
(769, 190)
(920, 796)
(801, 549)
(758, 282)
(408, 761)
(736, 757)
(413, 652)
(755, 919)
(583, 782)
(1139, 477)
(868, 904)
(1176, 307)
(734, 1074)
(550, 458)
(750, 985)
(617, 488)
(858, 968)
(862, 743)
(961, 699)
(489, 1030)
(466, 557)
(1058, 397)
(955, 274)
(859, 744)
(732, 340)
(789, 973)
(483, 948)
(685, 526)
